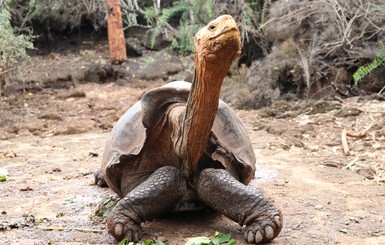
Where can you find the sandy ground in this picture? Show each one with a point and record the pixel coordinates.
(52, 142)
(326, 197)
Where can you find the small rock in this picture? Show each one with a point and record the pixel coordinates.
(368, 173)
(7, 155)
(27, 188)
(348, 112)
(93, 154)
(133, 47)
(57, 170)
(319, 206)
(322, 107)
(50, 116)
(161, 238)
(72, 94)
(281, 183)
(354, 219)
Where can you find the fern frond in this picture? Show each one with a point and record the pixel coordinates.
(149, 14)
(164, 17)
(185, 45)
(365, 70)
(264, 11)
(380, 7)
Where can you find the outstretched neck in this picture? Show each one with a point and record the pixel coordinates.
(200, 111)
(216, 46)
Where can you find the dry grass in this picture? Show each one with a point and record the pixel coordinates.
(59, 15)
(310, 41)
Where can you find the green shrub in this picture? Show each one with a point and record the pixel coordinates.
(365, 70)
(59, 15)
(191, 13)
(13, 45)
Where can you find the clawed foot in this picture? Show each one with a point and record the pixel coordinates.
(99, 179)
(264, 230)
(120, 227)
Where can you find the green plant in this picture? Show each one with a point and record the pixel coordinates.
(130, 11)
(365, 70)
(3, 178)
(58, 15)
(378, 6)
(219, 238)
(146, 242)
(165, 15)
(13, 45)
(3, 175)
(191, 15)
(185, 42)
(34, 10)
(150, 14)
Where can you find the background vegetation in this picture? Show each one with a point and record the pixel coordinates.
(292, 49)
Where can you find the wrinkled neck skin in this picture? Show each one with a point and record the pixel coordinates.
(200, 111)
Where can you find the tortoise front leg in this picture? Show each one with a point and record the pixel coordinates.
(160, 192)
(245, 205)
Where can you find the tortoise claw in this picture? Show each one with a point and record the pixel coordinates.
(278, 220)
(120, 227)
(269, 232)
(264, 230)
(258, 237)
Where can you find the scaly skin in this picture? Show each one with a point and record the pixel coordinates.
(159, 193)
(245, 205)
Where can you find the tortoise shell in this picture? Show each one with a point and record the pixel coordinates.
(129, 143)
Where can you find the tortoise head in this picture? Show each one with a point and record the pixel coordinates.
(218, 42)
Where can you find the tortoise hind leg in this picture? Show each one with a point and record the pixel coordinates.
(244, 204)
(159, 193)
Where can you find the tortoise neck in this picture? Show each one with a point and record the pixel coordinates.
(200, 112)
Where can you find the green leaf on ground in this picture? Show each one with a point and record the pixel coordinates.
(3, 172)
(344, 231)
(146, 242)
(69, 200)
(3, 178)
(220, 238)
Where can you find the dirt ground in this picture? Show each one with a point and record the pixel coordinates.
(52, 141)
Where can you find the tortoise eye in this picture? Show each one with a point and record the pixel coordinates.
(211, 27)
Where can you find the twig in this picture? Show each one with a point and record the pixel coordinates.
(382, 90)
(360, 134)
(345, 146)
(68, 229)
(6, 71)
(373, 136)
(350, 165)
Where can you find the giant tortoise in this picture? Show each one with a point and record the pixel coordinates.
(181, 145)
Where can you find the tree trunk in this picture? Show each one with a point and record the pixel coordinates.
(116, 38)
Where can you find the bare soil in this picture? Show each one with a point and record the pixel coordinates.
(52, 141)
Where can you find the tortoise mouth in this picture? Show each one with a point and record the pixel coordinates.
(226, 30)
